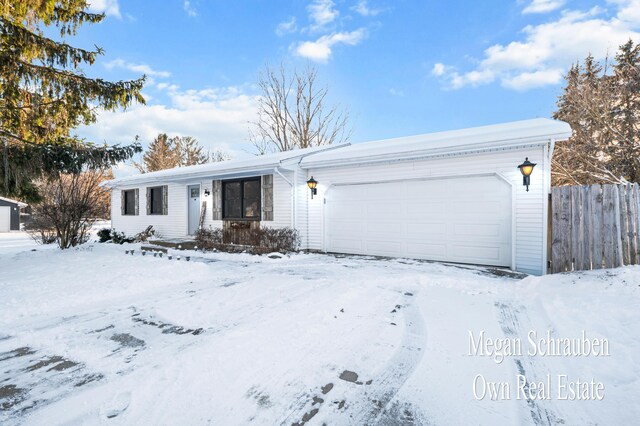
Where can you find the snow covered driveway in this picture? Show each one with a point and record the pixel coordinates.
(94, 336)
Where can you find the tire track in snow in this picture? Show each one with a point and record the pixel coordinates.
(373, 402)
(398, 369)
(510, 318)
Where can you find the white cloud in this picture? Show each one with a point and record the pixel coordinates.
(396, 92)
(529, 80)
(189, 8)
(217, 117)
(109, 7)
(321, 14)
(362, 7)
(286, 27)
(438, 69)
(548, 49)
(543, 6)
(321, 49)
(138, 68)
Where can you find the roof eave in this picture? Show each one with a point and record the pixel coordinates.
(439, 152)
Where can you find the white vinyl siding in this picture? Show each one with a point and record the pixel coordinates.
(172, 225)
(281, 201)
(530, 217)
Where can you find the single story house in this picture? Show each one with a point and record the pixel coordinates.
(455, 196)
(10, 214)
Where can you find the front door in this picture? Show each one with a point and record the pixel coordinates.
(194, 208)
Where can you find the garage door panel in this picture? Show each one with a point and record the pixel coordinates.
(426, 251)
(426, 230)
(464, 220)
(345, 245)
(386, 191)
(477, 253)
(383, 248)
(383, 229)
(347, 193)
(477, 229)
(347, 210)
(346, 227)
(381, 211)
(425, 210)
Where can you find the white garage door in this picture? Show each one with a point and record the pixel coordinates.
(466, 220)
(5, 219)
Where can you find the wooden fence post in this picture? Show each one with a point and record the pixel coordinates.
(596, 234)
(617, 237)
(587, 226)
(633, 231)
(608, 211)
(636, 196)
(624, 228)
(576, 235)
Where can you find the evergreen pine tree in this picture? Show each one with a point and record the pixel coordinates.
(44, 95)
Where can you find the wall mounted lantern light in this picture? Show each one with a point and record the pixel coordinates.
(207, 192)
(312, 184)
(526, 168)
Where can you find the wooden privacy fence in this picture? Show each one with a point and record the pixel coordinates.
(594, 227)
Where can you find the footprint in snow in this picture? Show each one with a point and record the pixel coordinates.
(117, 405)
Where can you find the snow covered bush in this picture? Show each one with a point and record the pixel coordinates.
(120, 237)
(209, 239)
(143, 237)
(280, 239)
(104, 235)
(266, 239)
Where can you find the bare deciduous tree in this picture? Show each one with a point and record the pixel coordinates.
(70, 206)
(293, 113)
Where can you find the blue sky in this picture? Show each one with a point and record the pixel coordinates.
(401, 67)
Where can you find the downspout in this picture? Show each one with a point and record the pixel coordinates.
(293, 193)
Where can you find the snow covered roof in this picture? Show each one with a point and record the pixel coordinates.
(230, 167)
(19, 203)
(498, 136)
(517, 133)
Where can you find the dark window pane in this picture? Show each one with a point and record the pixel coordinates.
(232, 201)
(232, 190)
(252, 189)
(233, 209)
(129, 202)
(156, 200)
(251, 208)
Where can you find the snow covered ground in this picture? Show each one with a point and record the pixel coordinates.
(94, 336)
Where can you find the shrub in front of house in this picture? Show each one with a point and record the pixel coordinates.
(120, 237)
(210, 239)
(280, 239)
(104, 235)
(257, 241)
(144, 236)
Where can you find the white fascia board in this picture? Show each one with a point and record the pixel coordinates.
(284, 160)
(433, 153)
(183, 177)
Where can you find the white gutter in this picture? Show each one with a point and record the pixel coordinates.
(293, 198)
(416, 154)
